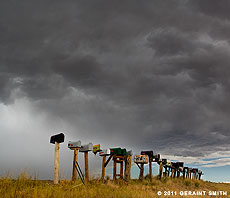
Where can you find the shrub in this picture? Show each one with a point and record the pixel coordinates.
(197, 184)
(187, 183)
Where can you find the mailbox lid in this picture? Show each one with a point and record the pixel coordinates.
(149, 153)
(59, 138)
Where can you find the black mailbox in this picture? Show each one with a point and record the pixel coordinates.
(149, 153)
(59, 138)
(164, 161)
(177, 165)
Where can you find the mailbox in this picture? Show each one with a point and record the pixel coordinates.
(149, 153)
(105, 152)
(169, 163)
(86, 148)
(130, 153)
(166, 162)
(200, 172)
(59, 138)
(142, 159)
(178, 165)
(72, 145)
(156, 157)
(96, 148)
(118, 151)
(195, 170)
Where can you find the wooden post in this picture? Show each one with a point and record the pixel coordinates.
(168, 173)
(178, 173)
(114, 168)
(86, 167)
(128, 167)
(183, 173)
(172, 170)
(141, 176)
(150, 171)
(103, 168)
(121, 170)
(56, 163)
(160, 170)
(75, 160)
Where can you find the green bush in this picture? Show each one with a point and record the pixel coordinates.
(197, 184)
(187, 183)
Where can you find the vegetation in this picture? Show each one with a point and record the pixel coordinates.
(26, 186)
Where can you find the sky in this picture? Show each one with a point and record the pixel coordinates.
(133, 74)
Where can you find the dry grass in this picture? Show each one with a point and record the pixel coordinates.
(26, 186)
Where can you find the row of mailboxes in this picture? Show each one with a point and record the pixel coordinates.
(96, 148)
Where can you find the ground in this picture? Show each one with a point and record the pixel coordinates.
(26, 186)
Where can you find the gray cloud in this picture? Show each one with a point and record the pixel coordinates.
(147, 74)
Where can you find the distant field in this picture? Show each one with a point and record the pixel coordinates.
(25, 186)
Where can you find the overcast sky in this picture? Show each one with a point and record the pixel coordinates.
(147, 74)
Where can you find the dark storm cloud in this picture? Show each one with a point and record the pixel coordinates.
(152, 74)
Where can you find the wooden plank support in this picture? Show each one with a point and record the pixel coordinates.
(178, 173)
(86, 166)
(150, 171)
(121, 170)
(128, 168)
(108, 160)
(160, 170)
(103, 168)
(114, 169)
(141, 176)
(56, 163)
(75, 160)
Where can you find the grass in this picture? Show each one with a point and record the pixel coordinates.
(27, 186)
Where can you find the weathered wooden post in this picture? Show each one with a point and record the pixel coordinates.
(85, 149)
(184, 172)
(57, 139)
(199, 174)
(140, 160)
(103, 154)
(160, 170)
(128, 161)
(195, 171)
(150, 156)
(74, 146)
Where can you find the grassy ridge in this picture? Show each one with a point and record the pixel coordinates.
(26, 186)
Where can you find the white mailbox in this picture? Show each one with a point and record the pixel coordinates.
(86, 148)
(72, 145)
(105, 152)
